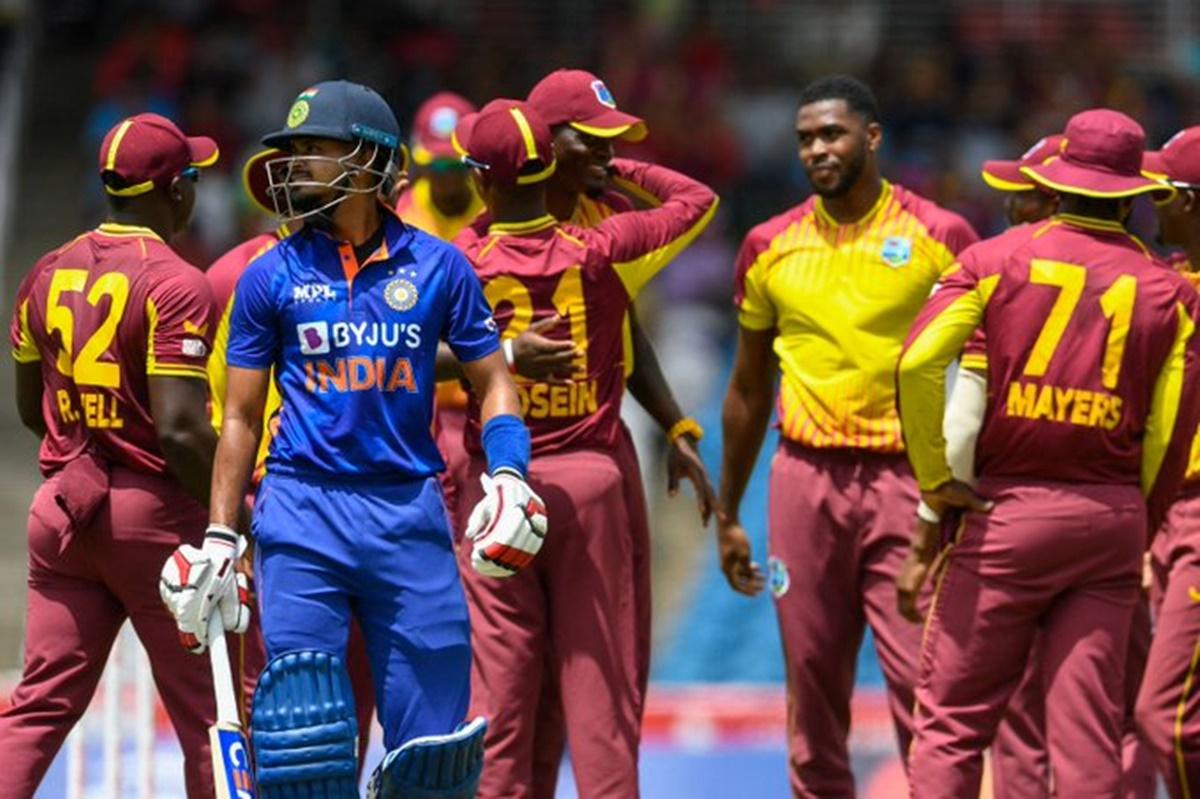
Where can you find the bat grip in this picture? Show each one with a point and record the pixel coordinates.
(218, 653)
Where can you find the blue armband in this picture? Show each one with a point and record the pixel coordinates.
(505, 442)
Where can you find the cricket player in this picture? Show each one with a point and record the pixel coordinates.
(349, 520)
(1167, 710)
(222, 278)
(572, 619)
(110, 337)
(1020, 768)
(1092, 386)
(826, 292)
(441, 200)
(586, 124)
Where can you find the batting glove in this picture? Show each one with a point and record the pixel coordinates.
(195, 582)
(508, 526)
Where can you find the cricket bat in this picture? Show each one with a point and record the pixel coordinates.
(232, 773)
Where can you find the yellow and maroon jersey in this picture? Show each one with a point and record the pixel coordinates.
(416, 208)
(1092, 359)
(222, 277)
(1181, 265)
(841, 298)
(539, 268)
(103, 314)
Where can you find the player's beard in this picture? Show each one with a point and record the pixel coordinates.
(851, 171)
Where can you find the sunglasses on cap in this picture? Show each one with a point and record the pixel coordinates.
(192, 173)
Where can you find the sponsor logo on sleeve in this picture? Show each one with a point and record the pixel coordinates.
(194, 348)
(313, 292)
(314, 337)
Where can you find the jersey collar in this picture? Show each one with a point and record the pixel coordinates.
(118, 230)
(885, 197)
(525, 228)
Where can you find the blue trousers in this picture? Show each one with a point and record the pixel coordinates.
(383, 552)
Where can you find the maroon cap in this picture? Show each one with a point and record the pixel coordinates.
(462, 131)
(1100, 156)
(578, 98)
(1006, 175)
(512, 142)
(1178, 162)
(433, 127)
(148, 150)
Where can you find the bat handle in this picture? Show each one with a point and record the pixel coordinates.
(218, 652)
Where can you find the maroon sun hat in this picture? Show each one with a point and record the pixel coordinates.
(512, 143)
(256, 181)
(1178, 162)
(434, 126)
(1006, 175)
(149, 150)
(578, 98)
(1100, 156)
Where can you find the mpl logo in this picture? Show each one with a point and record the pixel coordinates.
(314, 337)
(313, 292)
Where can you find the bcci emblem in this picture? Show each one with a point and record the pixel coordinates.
(401, 294)
(896, 251)
(603, 94)
(299, 110)
(777, 577)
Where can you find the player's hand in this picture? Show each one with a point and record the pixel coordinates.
(508, 526)
(196, 582)
(915, 569)
(546, 360)
(955, 494)
(683, 463)
(733, 548)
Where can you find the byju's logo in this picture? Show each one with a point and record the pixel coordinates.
(313, 292)
(314, 337)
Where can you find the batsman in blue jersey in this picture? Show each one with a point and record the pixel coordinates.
(349, 313)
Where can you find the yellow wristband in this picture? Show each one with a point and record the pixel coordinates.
(685, 426)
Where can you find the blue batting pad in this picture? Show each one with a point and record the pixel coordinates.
(304, 728)
(432, 766)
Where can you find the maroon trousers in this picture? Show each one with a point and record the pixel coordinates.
(839, 526)
(559, 649)
(1053, 561)
(1020, 765)
(1168, 706)
(78, 598)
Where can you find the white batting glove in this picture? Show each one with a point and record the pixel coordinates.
(508, 526)
(195, 582)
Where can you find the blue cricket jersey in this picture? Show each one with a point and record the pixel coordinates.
(354, 347)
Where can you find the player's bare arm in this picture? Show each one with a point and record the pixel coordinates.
(744, 418)
(649, 387)
(240, 431)
(179, 406)
(491, 382)
(28, 389)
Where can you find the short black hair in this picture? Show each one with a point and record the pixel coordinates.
(857, 95)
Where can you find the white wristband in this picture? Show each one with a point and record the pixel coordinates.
(926, 513)
(509, 358)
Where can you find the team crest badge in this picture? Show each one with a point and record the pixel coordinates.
(778, 578)
(603, 94)
(896, 251)
(299, 110)
(401, 294)
(443, 122)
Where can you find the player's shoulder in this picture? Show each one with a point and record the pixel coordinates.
(224, 272)
(940, 223)
(761, 236)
